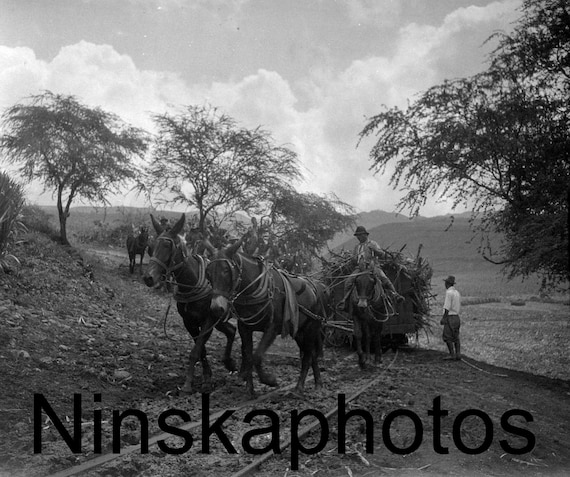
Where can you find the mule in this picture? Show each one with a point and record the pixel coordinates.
(192, 294)
(370, 308)
(137, 246)
(266, 300)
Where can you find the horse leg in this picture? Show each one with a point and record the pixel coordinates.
(357, 333)
(246, 368)
(199, 349)
(378, 344)
(230, 331)
(206, 371)
(306, 357)
(367, 341)
(266, 340)
(140, 268)
(310, 343)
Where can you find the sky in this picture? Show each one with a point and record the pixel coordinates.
(311, 72)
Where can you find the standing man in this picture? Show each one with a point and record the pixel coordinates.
(450, 319)
(366, 255)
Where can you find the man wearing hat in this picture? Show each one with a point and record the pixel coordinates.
(450, 319)
(366, 254)
(164, 223)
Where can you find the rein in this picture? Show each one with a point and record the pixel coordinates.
(194, 292)
(262, 294)
(379, 295)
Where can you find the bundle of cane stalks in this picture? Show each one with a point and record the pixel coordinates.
(410, 275)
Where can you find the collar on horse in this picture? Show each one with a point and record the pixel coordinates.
(201, 289)
(248, 295)
(194, 292)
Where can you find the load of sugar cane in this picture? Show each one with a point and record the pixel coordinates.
(411, 277)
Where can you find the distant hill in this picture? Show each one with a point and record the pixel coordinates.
(449, 245)
(370, 220)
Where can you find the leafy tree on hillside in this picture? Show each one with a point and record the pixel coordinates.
(304, 223)
(499, 141)
(203, 159)
(76, 151)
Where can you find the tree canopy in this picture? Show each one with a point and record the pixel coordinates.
(75, 150)
(498, 141)
(304, 223)
(204, 159)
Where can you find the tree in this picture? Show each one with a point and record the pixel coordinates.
(498, 141)
(76, 150)
(203, 159)
(304, 223)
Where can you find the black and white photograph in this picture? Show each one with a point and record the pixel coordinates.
(294, 238)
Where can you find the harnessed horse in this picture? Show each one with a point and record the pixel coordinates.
(192, 295)
(137, 246)
(265, 300)
(370, 308)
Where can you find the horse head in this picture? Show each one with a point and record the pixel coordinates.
(169, 252)
(224, 274)
(365, 284)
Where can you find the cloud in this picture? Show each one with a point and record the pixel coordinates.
(319, 116)
(373, 12)
(96, 74)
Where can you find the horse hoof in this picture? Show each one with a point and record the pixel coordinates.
(298, 393)
(230, 364)
(269, 380)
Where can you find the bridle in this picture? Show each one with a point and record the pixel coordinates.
(378, 295)
(170, 267)
(236, 272)
(263, 293)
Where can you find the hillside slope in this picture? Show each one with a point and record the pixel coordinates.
(452, 249)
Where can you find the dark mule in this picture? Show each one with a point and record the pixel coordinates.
(137, 246)
(192, 295)
(370, 309)
(267, 301)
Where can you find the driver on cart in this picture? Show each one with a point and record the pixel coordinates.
(366, 255)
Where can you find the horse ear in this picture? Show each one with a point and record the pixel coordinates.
(178, 226)
(232, 249)
(206, 242)
(156, 225)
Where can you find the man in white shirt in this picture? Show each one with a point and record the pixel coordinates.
(450, 319)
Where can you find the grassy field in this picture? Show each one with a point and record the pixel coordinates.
(532, 338)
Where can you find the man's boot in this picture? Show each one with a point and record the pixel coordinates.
(451, 352)
(457, 351)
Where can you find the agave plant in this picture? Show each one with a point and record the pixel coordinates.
(11, 203)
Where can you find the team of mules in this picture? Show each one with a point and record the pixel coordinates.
(262, 298)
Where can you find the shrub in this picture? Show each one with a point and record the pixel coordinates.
(36, 219)
(11, 203)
